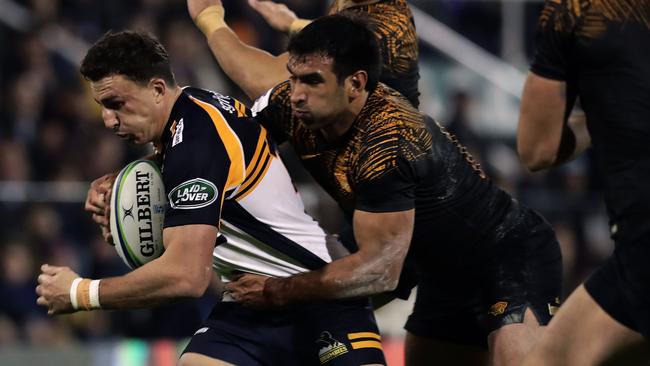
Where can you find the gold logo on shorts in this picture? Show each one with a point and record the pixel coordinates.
(498, 308)
(331, 347)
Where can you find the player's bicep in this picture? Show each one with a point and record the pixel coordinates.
(188, 248)
(190, 238)
(541, 121)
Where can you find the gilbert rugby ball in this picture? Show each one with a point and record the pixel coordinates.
(137, 212)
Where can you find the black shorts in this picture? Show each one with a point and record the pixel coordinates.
(621, 286)
(462, 303)
(333, 333)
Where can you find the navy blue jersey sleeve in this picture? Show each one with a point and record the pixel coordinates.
(195, 171)
(386, 180)
(554, 41)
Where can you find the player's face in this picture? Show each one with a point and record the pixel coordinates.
(131, 110)
(317, 96)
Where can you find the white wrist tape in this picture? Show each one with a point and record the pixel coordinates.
(94, 295)
(73, 293)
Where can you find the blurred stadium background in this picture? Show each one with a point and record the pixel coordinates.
(473, 59)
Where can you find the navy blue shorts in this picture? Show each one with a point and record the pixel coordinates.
(466, 300)
(333, 333)
(621, 286)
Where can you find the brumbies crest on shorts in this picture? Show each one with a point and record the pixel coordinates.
(220, 169)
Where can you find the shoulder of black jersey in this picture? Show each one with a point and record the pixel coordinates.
(386, 108)
(392, 128)
(274, 102)
(281, 91)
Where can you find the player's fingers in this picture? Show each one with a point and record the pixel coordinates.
(43, 278)
(41, 301)
(94, 203)
(107, 196)
(50, 270)
(231, 287)
(106, 233)
(101, 220)
(93, 208)
(93, 200)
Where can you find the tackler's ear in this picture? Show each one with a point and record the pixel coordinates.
(357, 82)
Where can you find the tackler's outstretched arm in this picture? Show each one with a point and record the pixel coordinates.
(254, 70)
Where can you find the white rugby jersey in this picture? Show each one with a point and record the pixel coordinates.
(220, 168)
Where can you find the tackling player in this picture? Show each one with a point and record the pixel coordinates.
(211, 143)
(597, 51)
(490, 269)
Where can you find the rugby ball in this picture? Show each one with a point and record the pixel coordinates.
(138, 203)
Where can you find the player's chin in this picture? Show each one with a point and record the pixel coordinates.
(137, 140)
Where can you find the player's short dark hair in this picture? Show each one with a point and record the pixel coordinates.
(347, 40)
(138, 56)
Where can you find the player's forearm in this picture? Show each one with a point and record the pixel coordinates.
(155, 283)
(578, 136)
(255, 71)
(540, 136)
(350, 276)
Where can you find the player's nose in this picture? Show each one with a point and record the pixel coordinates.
(298, 95)
(110, 118)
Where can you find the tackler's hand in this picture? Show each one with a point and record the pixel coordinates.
(277, 15)
(248, 289)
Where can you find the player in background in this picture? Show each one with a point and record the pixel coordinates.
(597, 51)
(490, 269)
(390, 20)
(208, 140)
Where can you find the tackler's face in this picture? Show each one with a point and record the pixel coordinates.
(133, 111)
(317, 96)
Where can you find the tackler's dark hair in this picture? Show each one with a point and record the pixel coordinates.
(348, 40)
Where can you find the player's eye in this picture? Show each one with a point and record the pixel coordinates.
(114, 105)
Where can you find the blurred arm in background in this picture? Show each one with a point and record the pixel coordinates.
(545, 137)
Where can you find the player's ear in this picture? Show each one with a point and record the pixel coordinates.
(357, 83)
(158, 88)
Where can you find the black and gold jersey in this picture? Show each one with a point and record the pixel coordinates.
(219, 168)
(392, 22)
(394, 158)
(600, 48)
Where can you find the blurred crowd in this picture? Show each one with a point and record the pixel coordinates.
(51, 131)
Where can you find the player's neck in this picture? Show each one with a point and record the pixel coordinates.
(344, 121)
(170, 101)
